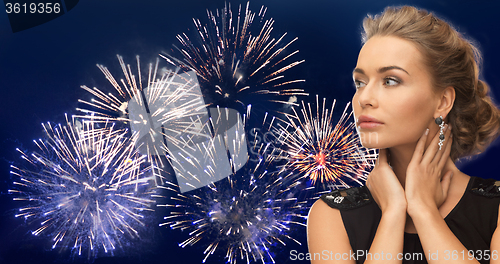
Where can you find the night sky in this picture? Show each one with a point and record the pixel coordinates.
(42, 68)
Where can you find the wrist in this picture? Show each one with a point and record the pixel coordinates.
(395, 210)
(393, 218)
(416, 210)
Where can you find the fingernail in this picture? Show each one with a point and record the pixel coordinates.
(427, 132)
(451, 175)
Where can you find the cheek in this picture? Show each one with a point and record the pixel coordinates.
(406, 116)
(355, 106)
(412, 115)
(406, 111)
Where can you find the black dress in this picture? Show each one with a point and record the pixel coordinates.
(473, 221)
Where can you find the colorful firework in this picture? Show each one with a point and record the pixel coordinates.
(324, 152)
(164, 101)
(244, 217)
(88, 188)
(236, 57)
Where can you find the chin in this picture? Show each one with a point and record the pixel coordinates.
(370, 140)
(370, 146)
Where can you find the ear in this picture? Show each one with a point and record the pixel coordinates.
(446, 101)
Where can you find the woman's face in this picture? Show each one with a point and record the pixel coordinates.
(394, 88)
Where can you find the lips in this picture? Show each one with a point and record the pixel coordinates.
(366, 121)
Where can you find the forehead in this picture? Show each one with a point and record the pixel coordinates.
(383, 51)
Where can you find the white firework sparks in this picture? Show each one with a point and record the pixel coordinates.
(237, 57)
(245, 217)
(87, 188)
(163, 102)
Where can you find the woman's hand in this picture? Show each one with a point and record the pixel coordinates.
(425, 187)
(385, 187)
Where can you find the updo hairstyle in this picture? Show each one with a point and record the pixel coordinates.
(451, 60)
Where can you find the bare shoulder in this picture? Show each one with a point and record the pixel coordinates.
(323, 218)
(326, 234)
(328, 206)
(321, 209)
(324, 223)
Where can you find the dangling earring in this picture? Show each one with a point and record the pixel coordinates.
(440, 122)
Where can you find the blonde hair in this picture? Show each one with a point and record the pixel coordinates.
(451, 60)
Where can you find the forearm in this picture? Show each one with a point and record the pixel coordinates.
(438, 242)
(388, 240)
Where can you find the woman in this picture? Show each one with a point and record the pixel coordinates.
(418, 99)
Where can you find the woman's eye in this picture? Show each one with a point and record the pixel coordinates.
(391, 82)
(358, 84)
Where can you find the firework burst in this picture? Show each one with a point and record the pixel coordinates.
(324, 152)
(244, 217)
(163, 102)
(236, 57)
(218, 150)
(87, 188)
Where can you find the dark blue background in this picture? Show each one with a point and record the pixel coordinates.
(42, 68)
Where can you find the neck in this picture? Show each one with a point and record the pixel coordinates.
(399, 158)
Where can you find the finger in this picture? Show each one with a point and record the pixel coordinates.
(420, 148)
(446, 152)
(445, 183)
(432, 149)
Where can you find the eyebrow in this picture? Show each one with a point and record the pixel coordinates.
(381, 70)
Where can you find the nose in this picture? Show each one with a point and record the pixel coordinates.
(367, 96)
